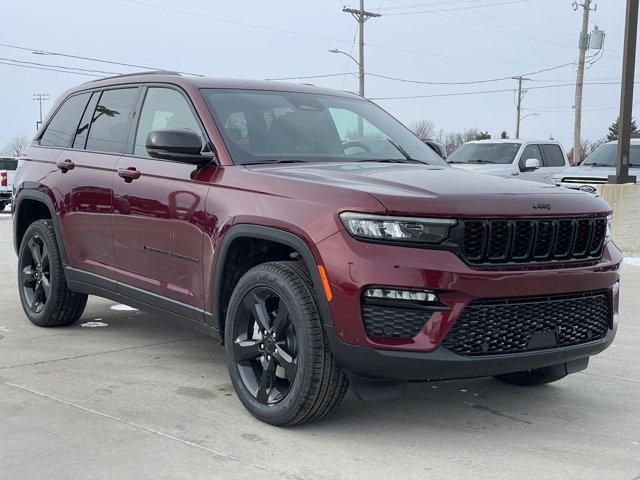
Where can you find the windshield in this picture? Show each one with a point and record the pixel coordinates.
(503, 153)
(606, 156)
(264, 127)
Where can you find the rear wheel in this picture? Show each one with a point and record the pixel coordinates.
(277, 352)
(44, 295)
(539, 376)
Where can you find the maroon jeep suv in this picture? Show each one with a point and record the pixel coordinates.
(313, 234)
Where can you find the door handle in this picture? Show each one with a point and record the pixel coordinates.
(66, 165)
(129, 174)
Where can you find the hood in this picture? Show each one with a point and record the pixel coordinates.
(484, 167)
(411, 189)
(588, 171)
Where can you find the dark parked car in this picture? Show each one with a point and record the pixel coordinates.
(262, 214)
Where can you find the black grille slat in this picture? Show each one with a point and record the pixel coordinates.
(392, 322)
(506, 241)
(494, 327)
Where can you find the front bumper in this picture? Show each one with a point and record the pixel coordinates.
(353, 265)
(441, 364)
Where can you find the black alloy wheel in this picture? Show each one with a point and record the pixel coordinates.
(35, 274)
(265, 346)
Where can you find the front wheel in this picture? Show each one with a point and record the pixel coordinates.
(277, 352)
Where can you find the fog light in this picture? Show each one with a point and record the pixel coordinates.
(403, 295)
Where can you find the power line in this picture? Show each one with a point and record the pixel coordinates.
(456, 8)
(59, 66)
(324, 37)
(50, 69)
(91, 59)
(455, 94)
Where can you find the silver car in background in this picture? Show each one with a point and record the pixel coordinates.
(597, 167)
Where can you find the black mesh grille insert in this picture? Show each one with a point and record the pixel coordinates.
(494, 327)
(393, 322)
(500, 242)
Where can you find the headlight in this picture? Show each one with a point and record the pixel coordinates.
(607, 236)
(397, 229)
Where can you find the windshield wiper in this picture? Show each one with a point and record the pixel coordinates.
(597, 164)
(404, 153)
(481, 161)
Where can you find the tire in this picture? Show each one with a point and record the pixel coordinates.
(529, 378)
(44, 295)
(304, 383)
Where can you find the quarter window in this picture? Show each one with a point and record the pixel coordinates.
(63, 125)
(110, 122)
(553, 155)
(164, 109)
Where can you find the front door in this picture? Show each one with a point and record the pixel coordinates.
(537, 174)
(159, 211)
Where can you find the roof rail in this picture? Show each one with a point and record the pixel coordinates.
(149, 72)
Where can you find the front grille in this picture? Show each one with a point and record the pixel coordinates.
(499, 242)
(393, 322)
(583, 180)
(494, 327)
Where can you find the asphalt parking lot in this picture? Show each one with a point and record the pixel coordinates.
(140, 398)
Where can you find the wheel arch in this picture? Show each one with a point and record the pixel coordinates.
(24, 214)
(258, 232)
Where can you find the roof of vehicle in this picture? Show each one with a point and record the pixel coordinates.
(634, 141)
(209, 82)
(514, 140)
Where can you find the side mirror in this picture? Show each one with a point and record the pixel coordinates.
(179, 145)
(530, 164)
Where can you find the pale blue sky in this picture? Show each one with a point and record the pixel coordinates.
(508, 38)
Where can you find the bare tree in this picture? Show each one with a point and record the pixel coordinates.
(424, 129)
(15, 146)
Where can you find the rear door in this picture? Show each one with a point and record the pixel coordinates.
(554, 161)
(159, 209)
(84, 178)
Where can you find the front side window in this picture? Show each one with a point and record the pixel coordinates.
(270, 126)
(164, 109)
(479, 153)
(531, 151)
(63, 125)
(110, 122)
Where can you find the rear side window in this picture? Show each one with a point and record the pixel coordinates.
(111, 119)
(8, 164)
(63, 125)
(553, 156)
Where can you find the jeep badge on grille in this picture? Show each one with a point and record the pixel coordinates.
(541, 206)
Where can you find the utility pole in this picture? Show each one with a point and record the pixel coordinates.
(626, 96)
(361, 17)
(521, 93)
(40, 97)
(583, 45)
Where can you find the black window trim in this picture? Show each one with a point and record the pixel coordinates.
(133, 130)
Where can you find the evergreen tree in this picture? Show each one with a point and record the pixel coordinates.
(504, 135)
(614, 130)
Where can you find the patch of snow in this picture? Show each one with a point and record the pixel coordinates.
(4, 329)
(121, 307)
(94, 324)
(632, 261)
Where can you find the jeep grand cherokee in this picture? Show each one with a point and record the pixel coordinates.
(313, 234)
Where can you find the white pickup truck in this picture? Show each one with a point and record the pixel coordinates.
(8, 166)
(533, 160)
